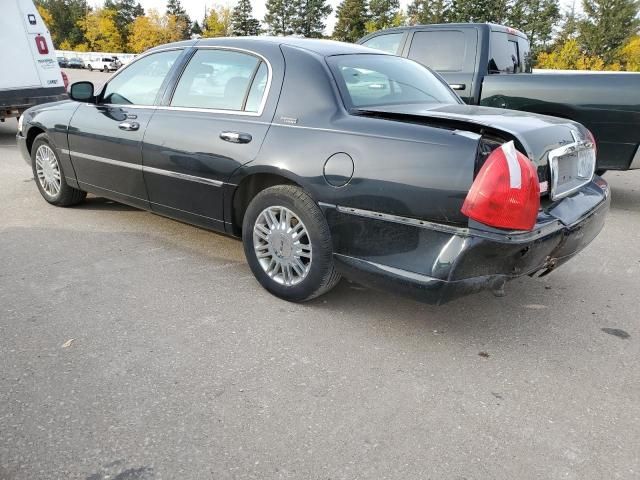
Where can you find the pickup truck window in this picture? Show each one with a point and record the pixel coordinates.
(387, 43)
(376, 80)
(505, 55)
(442, 50)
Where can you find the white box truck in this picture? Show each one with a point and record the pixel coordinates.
(29, 71)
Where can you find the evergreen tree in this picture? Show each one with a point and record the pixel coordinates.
(242, 21)
(280, 17)
(66, 16)
(382, 14)
(568, 26)
(196, 29)
(494, 11)
(535, 18)
(126, 12)
(175, 8)
(608, 25)
(351, 20)
(428, 11)
(310, 17)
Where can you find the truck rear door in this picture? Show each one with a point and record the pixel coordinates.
(15, 53)
(450, 51)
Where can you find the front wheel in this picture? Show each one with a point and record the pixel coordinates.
(105, 69)
(90, 68)
(49, 175)
(288, 244)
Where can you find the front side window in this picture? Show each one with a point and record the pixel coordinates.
(222, 80)
(140, 83)
(377, 80)
(387, 43)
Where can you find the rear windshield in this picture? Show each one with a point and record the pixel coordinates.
(367, 80)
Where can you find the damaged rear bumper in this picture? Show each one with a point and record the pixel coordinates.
(437, 263)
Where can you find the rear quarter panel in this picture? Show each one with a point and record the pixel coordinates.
(607, 104)
(399, 168)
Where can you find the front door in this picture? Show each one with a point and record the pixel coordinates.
(105, 138)
(213, 124)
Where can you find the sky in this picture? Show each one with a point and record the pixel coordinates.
(195, 8)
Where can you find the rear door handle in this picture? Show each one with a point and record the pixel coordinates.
(458, 86)
(129, 126)
(235, 137)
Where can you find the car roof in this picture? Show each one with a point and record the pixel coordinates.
(318, 46)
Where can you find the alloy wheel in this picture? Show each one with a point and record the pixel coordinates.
(48, 170)
(282, 245)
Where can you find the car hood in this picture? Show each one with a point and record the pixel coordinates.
(537, 134)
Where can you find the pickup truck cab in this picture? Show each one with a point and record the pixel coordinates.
(32, 73)
(491, 65)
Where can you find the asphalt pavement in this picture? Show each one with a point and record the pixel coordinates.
(134, 347)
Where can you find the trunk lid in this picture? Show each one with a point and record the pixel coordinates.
(555, 145)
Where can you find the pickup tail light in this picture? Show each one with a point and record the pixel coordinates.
(506, 191)
(65, 80)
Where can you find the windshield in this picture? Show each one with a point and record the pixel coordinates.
(368, 80)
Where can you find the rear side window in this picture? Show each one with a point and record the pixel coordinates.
(505, 55)
(139, 83)
(442, 50)
(387, 43)
(378, 80)
(221, 80)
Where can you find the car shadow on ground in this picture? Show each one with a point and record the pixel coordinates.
(101, 203)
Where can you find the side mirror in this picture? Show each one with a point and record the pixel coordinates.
(81, 92)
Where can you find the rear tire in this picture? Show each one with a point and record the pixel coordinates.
(49, 176)
(105, 69)
(288, 244)
(601, 171)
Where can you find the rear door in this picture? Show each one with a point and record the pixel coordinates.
(214, 121)
(449, 51)
(105, 138)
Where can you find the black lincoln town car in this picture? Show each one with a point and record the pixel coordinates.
(327, 159)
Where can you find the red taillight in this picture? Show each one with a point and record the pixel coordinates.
(41, 43)
(65, 80)
(506, 192)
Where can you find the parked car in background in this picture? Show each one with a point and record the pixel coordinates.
(32, 75)
(105, 64)
(382, 173)
(75, 63)
(63, 62)
(490, 65)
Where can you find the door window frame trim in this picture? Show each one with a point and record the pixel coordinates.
(265, 94)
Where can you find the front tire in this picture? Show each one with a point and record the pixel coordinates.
(288, 244)
(49, 176)
(90, 68)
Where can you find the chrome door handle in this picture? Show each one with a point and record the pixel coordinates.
(235, 137)
(457, 86)
(129, 126)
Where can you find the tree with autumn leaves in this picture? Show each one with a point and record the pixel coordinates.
(603, 35)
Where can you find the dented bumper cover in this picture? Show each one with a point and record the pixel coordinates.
(437, 263)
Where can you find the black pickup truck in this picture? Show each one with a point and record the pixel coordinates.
(490, 65)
